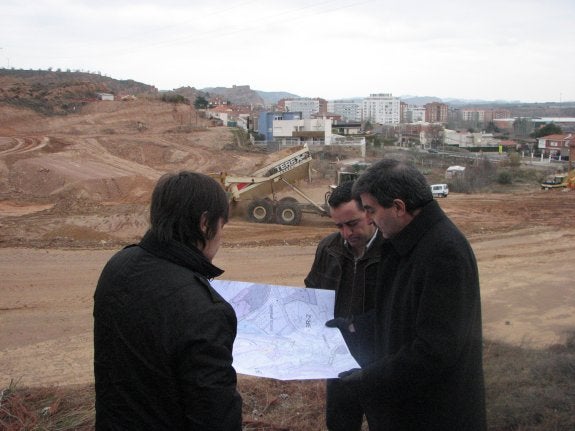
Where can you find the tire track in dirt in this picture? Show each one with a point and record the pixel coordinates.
(22, 145)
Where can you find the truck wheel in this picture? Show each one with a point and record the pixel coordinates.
(288, 213)
(260, 211)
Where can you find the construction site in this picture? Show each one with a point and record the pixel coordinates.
(74, 189)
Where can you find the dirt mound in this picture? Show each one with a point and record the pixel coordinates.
(108, 151)
(59, 174)
(85, 179)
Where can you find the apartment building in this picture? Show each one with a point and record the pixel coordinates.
(412, 113)
(307, 106)
(348, 110)
(483, 115)
(436, 112)
(382, 108)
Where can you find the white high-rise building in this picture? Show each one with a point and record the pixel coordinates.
(304, 105)
(414, 114)
(382, 108)
(350, 110)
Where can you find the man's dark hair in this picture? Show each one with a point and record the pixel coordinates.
(342, 194)
(391, 179)
(178, 202)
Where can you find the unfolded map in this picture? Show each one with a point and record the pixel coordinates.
(282, 332)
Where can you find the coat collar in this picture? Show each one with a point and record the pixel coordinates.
(430, 214)
(180, 254)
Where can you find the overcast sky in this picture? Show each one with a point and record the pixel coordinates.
(491, 50)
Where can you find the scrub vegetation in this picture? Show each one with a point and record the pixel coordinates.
(527, 390)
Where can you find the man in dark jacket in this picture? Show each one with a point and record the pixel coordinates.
(427, 373)
(162, 335)
(347, 262)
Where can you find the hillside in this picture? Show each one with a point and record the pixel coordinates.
(106, 151)
(56, 92)
(238, 95)
(244, 95)
(63, 92)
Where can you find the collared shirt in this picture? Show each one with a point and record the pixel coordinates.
(367, 246)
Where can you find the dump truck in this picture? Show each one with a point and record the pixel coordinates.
(259, 190)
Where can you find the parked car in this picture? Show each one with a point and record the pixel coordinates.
(440, 190)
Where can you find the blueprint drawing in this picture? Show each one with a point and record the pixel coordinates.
(282, 332)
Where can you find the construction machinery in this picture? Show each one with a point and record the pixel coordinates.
(260, 188)
(559, 181)
(347, 170)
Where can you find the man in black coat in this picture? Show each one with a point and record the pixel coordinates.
(162, 335)
(427, 373)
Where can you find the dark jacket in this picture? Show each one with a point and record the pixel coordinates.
(354, 282)
(163, 343)
(428, 372)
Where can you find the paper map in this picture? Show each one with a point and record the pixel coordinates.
(282, 332)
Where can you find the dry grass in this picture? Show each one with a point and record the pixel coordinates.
(527, 390)
(47, 408)
(530, 390)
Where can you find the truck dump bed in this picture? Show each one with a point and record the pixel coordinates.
(292, 168)
(260, 188)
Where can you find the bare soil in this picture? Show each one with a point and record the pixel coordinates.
(75, 189)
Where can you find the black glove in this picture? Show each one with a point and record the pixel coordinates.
(352, 379)
(358, 335)
(341, 323)
(350, 375)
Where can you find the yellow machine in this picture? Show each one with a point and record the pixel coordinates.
(260, 189)
(559, 181)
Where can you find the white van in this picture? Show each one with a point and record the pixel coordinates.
(440, 190)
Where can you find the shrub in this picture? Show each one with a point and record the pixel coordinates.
(504, 177)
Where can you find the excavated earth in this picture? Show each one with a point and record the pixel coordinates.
(74, 189)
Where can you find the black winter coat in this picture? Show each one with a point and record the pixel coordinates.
(163, 343)
(428, 372)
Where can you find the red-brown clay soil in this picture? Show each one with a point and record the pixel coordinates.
(75, 189)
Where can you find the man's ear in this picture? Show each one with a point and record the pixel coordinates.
(400, 207)
(204, 223)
